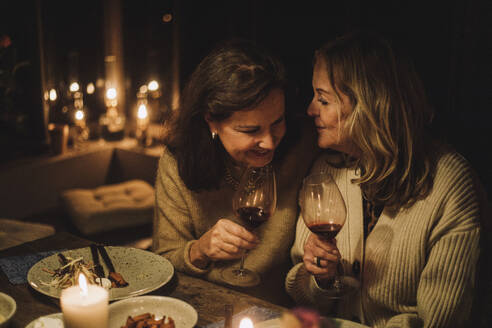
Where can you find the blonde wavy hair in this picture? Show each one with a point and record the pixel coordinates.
(389, 118)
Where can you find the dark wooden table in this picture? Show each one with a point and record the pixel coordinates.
(207, 298)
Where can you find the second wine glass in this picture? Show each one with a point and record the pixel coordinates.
(324, 213)
(254, 201)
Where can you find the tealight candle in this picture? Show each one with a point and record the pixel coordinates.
(84, 305)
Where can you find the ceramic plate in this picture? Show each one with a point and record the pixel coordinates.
(183, 314)
(54, 320)
(143, 270)
(8, 307)
(330, 322)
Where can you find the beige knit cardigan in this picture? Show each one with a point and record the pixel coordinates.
(418, 266)
(182, 216)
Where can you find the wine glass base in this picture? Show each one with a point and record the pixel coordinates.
(345, 287)
(240, 277)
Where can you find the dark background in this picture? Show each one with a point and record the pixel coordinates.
(449, 41)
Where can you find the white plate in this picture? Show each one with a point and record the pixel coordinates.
(183, 314)
(8, 307)
(143, 270)
(51, 317)
(335, 323)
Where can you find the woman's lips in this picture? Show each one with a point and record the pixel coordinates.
(260, 154)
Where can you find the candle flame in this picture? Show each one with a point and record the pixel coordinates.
(53, 95)
(74, 87)
(153, 85)
(83, 285)
(246, 323)
(143, 89)
(111, 93)
(79, 115)
(142, 112)
(90, 88)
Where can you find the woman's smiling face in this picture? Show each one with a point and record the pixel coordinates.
(329, 111)
(250, 136)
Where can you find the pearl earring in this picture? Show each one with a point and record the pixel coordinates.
(214, 135)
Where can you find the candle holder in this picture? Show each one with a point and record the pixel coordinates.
(58, 138)
(142, 121)
(112, 125)
(80, 129)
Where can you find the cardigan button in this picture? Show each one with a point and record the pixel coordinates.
(356, 268)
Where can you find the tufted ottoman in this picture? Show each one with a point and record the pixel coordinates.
(110, 207)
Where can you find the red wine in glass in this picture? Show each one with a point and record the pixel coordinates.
(325, 231)
(253, 216)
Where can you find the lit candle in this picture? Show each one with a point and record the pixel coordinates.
(246, 323)
(84, 305)
(142, 116)
(80, 118)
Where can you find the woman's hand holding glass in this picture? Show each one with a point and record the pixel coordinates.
(226, 240)
(324, 213)
(323, 251)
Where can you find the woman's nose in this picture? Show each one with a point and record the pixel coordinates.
(267, 141)
(311, 110)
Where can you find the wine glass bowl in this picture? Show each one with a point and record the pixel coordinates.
(322, 206)
(256, 197)
(254, 201)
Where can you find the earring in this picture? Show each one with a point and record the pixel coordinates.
(214, 135)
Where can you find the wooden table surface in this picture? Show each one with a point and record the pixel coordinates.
(207, 298)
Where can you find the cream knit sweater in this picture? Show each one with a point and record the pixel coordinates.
(418, 266)
(182, 216)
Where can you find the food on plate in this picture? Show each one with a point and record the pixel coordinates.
(147, 320)
(117, 280)
(68, 273)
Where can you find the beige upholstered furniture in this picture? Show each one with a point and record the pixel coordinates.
(109, 207)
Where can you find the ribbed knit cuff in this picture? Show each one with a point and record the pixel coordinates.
(297, 284)
(190, 268)
(304, 289)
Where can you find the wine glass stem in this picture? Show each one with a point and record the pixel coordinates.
(241, 266)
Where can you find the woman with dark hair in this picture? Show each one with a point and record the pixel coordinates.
(233, 114)
(411, 235)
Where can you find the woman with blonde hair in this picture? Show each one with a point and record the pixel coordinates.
(411, 237)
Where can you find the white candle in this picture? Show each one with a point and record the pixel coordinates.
(84, 305)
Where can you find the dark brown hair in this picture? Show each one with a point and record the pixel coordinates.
(236, 75)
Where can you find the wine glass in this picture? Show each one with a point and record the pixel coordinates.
(324, 213)
(254, 201)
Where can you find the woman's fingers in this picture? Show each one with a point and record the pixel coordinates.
(227, 240)
(321, 257)
(235, 234)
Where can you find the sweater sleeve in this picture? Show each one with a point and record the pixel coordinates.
(173, 232)
(446, 285)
